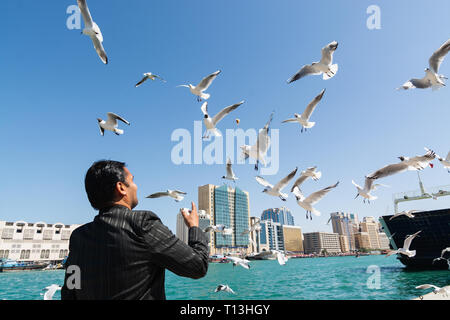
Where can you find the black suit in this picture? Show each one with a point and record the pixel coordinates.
(123, 254)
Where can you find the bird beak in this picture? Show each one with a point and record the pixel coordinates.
(99, 120)
(357, 195)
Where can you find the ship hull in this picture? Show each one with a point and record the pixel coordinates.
(433, 238)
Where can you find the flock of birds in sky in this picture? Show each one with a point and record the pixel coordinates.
(258, 151)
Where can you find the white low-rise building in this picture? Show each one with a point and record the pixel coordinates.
(40, 241)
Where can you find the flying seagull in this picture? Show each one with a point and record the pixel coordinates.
(259, 150)
(432, 78)
(444, 290)
(445, 162)
(442, 256)
(224, 287)
(308, 173)
(307, 203)
(202, 86)
(324, 66)
(408, 213)
(221, 228)
(50, 291)
(92, 30)
(238, 261)
(281, 257)
(256, 226)
(415, 163)
(406, 244)
(149, 75)
(303, 119)
(276, 190)
(176, 194)
(230, 174)
(211, 123)
(368, 187)
(111, 124)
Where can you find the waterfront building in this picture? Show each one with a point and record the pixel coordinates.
(345, 224)
(372, 228)
(384, 241)
(255, 235)
(345, 246)
(281, 215)
(293, 239)
(40, 241)
(230, 207)
(317, 242)
(264, 236)
(272, 237)
(362, 240)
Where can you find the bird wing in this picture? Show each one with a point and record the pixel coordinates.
(444, 251)
(316, 196)
(229, 168)
(289, 120)
(304, 71)
(114, 117)
(102, 131)
(427, 286)
(409, 239)
(312, 105)
(158, 195)
(225, 111)
(327, 53)
(356, 185)
(99, 48)
(438, 56)
(298, 194)
(206, 82)
(448, 157)
(368, 184)
(420, 83)
(299, 182)
(156, 76)
(263, 141)
(85, 13)
(388, 170)
(263, 182)
(145, 78)
(179, 192)
(420, 162)
(283, 182)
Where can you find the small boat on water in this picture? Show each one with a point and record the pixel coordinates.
(12, 265)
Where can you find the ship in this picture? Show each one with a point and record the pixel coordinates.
(12, 265)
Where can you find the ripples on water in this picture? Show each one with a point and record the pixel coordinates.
(334, 278)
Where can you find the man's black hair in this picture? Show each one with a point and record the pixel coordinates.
(100, 182)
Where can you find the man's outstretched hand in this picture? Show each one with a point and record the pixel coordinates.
(191, 216)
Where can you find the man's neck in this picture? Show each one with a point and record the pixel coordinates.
(122, 203)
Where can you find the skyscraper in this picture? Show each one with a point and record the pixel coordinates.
(231, 208)
(282, 215)
(345, 224)
(371, 226)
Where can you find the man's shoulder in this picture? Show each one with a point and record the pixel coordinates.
(145, 215)
(81, 229)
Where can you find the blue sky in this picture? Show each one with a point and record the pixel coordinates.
(54, 86)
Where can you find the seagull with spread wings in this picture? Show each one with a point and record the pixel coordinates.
(224, 287)
(325, 66)
(406, 244)
(230, 174)
(432, 78)
(151, 76)
(211, 123)
(50, 291)
(408, 213)
(312, 199)
(111, 124)
(176, 194)
(202, 86)
(276, 190)
(259, 150)
(308, 173)
(368, 187)
(303, 119)
(445, 162)
(92, 30)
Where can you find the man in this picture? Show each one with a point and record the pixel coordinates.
(123, 254)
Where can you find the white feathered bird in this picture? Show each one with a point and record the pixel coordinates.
(276, 190)
(312, 199)
(199, 89)
(111, 123)
(406, 244)
(211, 123)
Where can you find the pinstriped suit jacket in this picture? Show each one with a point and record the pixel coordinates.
(123, 254)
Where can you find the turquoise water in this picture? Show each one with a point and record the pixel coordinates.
(343, 278)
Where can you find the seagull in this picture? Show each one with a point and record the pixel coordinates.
(92, 30)
(407, 213)
(218, 228)
(176, 194)
(444, 290)
(259, 150)
(445, 162)
(224, 287)
(51, 290)
(211, 123)
(310, 172)
(415, 163)
(111, 124)
(406, 244)
(432, 78)
(307, 203)
(442, 256)
(202, 86)
(256, 226)
(149, 75)
(303, 118)
(276, 190)
(281, 257)
(368, 187)
(230, 174)
(238, 261)
(324, 66)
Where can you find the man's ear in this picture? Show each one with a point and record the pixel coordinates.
(121, 188)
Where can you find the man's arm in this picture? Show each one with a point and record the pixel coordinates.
(168, 251)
